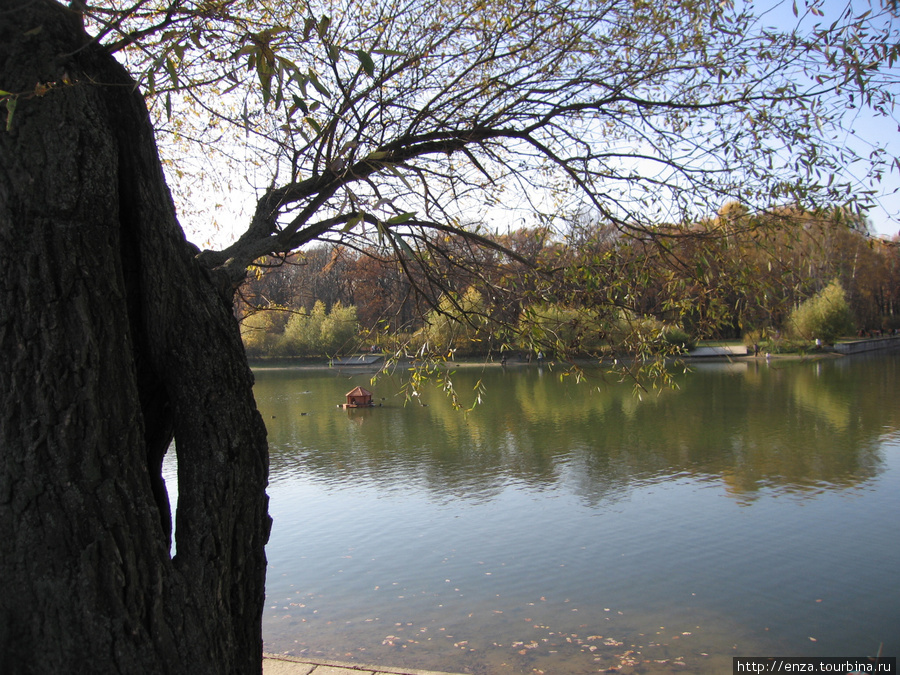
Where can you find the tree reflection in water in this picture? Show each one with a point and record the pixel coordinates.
(745, 512)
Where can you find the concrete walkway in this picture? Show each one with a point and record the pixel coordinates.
(274, 664)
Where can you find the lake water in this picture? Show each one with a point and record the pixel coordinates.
(571, 528)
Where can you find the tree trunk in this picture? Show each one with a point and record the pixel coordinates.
(114, 340)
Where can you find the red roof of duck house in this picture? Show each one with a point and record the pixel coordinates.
(358, 398)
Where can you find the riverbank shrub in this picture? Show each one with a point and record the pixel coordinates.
(459, 325)
(318, 332)
(826, 316)
(679, 338)
(262, 331)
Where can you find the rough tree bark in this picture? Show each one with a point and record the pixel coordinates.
(114, 341)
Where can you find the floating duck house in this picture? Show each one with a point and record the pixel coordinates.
(359, 398)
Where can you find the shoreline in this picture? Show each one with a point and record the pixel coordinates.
(308, 363)
(280, 664)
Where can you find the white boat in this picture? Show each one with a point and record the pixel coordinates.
(361, 360)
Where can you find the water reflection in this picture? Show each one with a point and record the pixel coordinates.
(797, 427)
(567, 527)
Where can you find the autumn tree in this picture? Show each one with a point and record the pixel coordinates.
(395, 123)
(825, 316)
(878, 289)
(384, 295)
(276, 282)
(299, 279)
(457, 325)
(320, 332)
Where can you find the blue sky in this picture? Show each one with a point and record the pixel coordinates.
(871, 130)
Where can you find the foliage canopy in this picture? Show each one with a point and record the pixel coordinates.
(354, 121)
(405, 126)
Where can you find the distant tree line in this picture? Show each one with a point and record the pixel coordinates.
(782, 279)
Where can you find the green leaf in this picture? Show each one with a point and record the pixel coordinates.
(354, 220)
(404, 246)
(401, 218)
(315, 125)
(308, 26)
(322, 28)
(318, 85)
(10, 109)
(265, 81)
(172, 70)
(394, 170)
(286, 64)
(302, 80)
(301, 104)
(365, 60)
